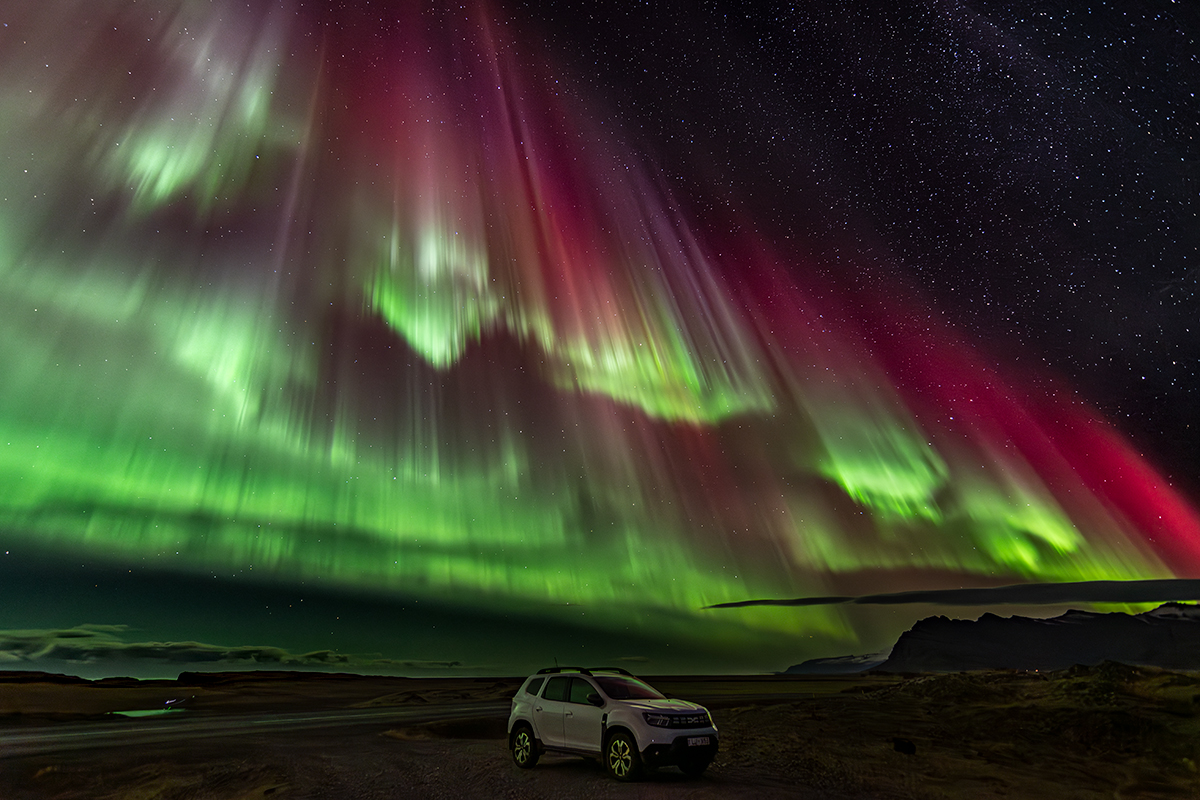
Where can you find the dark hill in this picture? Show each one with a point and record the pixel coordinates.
(1167, 637)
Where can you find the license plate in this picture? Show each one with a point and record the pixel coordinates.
(697, 740)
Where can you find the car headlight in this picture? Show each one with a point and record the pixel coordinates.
(657, 720)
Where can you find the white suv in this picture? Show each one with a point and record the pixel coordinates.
(606, 712)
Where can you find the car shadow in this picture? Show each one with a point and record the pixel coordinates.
(585, 766)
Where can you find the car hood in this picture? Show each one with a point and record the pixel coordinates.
(662, 705)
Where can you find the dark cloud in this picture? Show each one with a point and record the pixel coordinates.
(391, 662)
(91, 644)
(1152, 591)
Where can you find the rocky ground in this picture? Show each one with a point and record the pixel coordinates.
(1108, 731)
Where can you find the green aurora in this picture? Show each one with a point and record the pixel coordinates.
(243, 335)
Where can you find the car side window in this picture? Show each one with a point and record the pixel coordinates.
(556, 689)
(580, 689)
(534, 686)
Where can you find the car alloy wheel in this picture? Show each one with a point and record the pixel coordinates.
(524, 751)
(622, 758)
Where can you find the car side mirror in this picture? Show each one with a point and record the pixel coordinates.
(595, 700)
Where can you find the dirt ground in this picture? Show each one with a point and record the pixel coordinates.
(1104, 732)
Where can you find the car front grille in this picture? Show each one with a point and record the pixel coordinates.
(688, 721)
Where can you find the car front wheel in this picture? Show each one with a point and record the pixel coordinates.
(621, 757)
(694, 767)
(524, 748)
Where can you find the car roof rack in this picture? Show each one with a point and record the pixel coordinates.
(583, 670)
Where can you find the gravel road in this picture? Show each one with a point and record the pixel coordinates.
(350, 764)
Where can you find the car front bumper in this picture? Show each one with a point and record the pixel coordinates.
(679, 751)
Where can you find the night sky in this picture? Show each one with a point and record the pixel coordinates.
(430, 337)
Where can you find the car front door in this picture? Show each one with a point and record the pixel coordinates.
(583, 727)
(548, 711)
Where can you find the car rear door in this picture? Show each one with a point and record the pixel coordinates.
(548, 711)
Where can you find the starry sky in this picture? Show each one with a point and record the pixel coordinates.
(425, 337)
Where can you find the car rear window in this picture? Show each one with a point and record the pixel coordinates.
(556, 689)
(533, 686)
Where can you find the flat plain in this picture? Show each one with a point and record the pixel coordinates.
(1088, 732)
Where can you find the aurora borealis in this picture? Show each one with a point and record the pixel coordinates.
(302, 302)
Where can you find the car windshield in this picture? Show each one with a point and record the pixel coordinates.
(620, 687)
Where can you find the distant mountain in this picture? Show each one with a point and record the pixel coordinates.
(1168, 637)
(838, 665)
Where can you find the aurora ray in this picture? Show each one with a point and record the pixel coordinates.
(437, 333)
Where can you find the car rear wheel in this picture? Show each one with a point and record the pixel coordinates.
(621, 757)
(524, 748)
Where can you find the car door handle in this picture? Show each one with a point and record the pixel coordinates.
(537, 708)
(568, 713)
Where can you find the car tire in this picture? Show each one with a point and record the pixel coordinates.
(524, 747)
(694, 767)
(621, 757)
